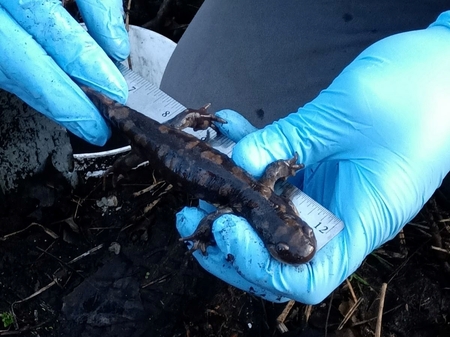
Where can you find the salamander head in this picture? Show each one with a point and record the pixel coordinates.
(293, 243)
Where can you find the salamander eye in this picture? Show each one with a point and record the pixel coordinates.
(282, 247)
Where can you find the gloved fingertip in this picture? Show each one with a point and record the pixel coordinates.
(235, 236)
(118, 48)
(237, 126)
(207, 207)
(188, 219)
(442, 20)
(225, 231)
(115, 41)
(104, 20)
(99, 137)
(251, 156)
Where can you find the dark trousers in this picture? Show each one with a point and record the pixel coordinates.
(266, 58)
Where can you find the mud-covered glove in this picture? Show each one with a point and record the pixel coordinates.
(44, 50)
(375, 145)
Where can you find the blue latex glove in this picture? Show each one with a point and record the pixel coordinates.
(44, 50)
(375, 145)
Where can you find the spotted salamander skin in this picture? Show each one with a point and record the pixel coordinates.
(212, 176)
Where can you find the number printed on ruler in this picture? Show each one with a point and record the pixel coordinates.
(148, 99)
(324, 223)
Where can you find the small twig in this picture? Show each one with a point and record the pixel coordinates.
(59, 260)
(40, 291)
(328, 314)
(404, 263)
(380, 310)
(78, 204)
(352, 292)
(90, 251)
(160, 279)
(308, 311)
(127, 16)
(440, 249)
(150, 206)
(50, 246)
(23, 329)
(423, 232)
(80, 201)
(148, 189)
(374, 318)
(282, 317)
(55, 278)
(350, 313)
(68, 264)
(46, 230)
(424, 227)
(402, 238)
(103, 228)
(69, 221)
(127, 27)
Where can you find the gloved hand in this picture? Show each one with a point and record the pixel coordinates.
(44, 50)
(375, 146)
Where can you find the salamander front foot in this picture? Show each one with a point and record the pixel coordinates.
(197, 119)
(202, 238)
(280, 169)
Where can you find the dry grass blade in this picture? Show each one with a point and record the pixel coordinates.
(72, 224)
(40, 291)
(440, 249)
(148, 189)
(22, 330)
(127, 17)
(402, 238)
(46, 230)
(150, 206)
(89, 252)
(308, 311)
(350, 313)
(127, 27)
(282, 317)
(352, 292)
(380, 310)
(374, 318)
(423, 232)
(415, 224)
(160, 279)
(328, 314)
(55, 279)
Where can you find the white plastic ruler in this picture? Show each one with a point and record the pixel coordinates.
(154, 103)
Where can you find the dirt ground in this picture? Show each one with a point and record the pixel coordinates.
(100, 260)
(106, 261)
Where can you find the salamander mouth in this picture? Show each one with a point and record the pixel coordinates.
(283, 253)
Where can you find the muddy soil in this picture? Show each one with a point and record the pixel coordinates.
(104, 260)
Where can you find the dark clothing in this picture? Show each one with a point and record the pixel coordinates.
(267, 58)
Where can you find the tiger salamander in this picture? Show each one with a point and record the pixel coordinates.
(208, 174)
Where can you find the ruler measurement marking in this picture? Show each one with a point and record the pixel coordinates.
(161, 107)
